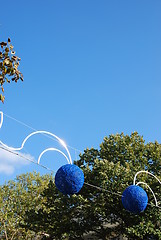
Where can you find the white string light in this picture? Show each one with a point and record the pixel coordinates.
(69, 159)
(146, 172)
(34, 129)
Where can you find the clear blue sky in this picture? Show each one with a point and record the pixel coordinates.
(91, 68)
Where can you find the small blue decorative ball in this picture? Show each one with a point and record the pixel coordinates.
(69, 179)
(134, 199)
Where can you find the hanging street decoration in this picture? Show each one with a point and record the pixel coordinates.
(69, 178)
(134, 199)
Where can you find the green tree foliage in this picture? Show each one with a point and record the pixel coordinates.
(9, 63)
(45, 212)
(112, 167)
(16, 198)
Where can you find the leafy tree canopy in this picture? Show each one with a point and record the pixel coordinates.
(9, 63)
(93, 210)
(17, 197)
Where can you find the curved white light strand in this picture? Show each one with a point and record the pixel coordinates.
(147, 173)
(146, 183)
(41, 132)
(52, 149)
(150, 190)
(1, 122)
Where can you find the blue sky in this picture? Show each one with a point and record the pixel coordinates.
(91, 68)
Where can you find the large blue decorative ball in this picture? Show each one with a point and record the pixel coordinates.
(69, 179)
(134, 199)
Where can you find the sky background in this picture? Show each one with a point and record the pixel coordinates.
(91, 68)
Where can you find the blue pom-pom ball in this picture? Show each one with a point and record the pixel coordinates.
(134, 199)
(69, 179)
